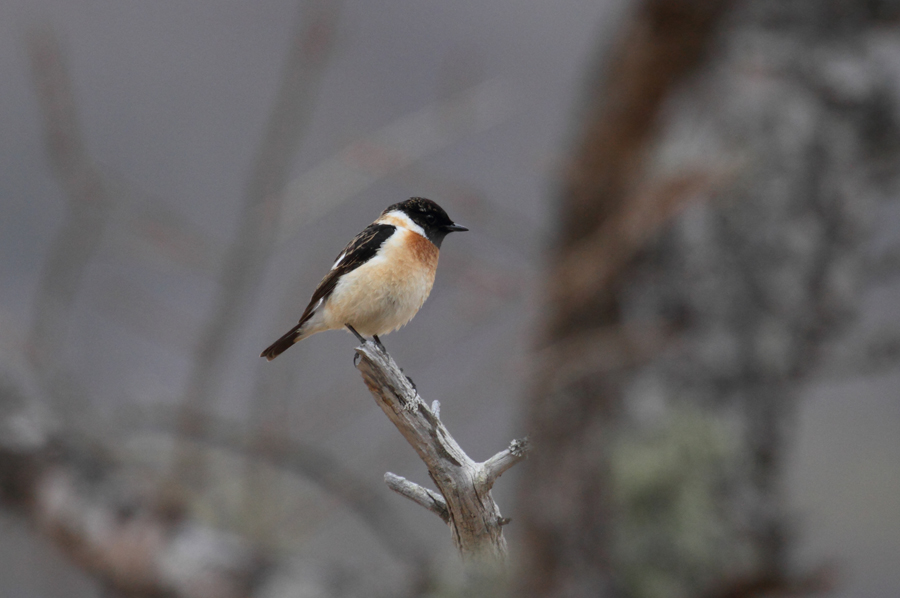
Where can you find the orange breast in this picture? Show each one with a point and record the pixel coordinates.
(423, 250)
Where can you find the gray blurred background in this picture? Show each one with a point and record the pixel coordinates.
(179, 162)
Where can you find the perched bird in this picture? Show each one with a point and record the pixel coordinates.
(381, 279)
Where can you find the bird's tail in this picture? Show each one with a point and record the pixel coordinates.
(284, 343)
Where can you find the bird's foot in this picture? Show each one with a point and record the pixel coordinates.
(379, 343)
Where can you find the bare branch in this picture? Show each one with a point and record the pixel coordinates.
(497, 465)
(420, 495)
(474, 518)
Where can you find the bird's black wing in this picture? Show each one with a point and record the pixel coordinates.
(360, 250)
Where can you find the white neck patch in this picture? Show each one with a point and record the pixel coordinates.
(398, 218)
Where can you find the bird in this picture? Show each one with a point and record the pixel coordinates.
(381, 278)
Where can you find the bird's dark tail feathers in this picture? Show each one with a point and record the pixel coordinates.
(283, 344)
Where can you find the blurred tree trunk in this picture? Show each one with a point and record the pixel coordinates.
(711, 229)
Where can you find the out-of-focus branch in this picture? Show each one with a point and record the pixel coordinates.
(88, 205)
(75, 494)
(588, 268)
(318, 467)
(473, 516)
(659, 49)
(391, 149)
(244, 264)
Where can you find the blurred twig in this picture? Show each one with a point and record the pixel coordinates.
(310, 47)
(147, 230)
(110, 522)
(589, 267)
(87, 210)
(76, 494)
(390, 149)
(312, 464)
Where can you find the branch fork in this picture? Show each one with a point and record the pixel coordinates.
(463, 500)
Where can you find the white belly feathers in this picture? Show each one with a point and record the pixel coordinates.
(386, 292)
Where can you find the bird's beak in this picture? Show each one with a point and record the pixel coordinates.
(452, 228)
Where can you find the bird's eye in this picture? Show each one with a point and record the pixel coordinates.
(429, 218)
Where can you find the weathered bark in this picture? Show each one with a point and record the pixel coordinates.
(465, 502)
